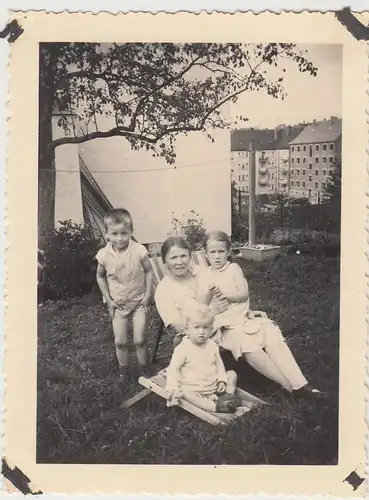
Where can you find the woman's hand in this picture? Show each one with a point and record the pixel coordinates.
(177, 340)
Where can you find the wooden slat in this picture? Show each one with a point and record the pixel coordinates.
(157, 385)
(204, 415)
(137, 397)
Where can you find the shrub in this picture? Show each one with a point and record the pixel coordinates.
(191, 229)
(70, 265)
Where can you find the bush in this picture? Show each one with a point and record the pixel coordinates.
(70, 266)
(191, 229)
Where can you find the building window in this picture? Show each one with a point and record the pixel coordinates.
(293, 160)
(316, 172)
(303, 184)
(309, 193)
(291, 183)
(293, 148)
(298, 149)
(324, 159)
(304, 172)
(324, 172)
(292, 171)
(297, 172)
(317, 147)
(331, 147)
(316, 185)
(310, 151)
(323, 184)
(317, 159)
(331, 159)
(239, 177)
(304, 159)
(310, 166)
(330, 172)
(324, 147)
(298, 160)
(304, 148)
(297, 184)
(309, 178)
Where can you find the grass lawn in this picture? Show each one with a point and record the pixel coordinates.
(79, 419)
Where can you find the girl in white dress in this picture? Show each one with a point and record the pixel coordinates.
(263, 337)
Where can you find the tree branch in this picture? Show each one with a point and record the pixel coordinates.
(114, 132)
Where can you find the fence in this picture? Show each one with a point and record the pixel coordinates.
(280, 221)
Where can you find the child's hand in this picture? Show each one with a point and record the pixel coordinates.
(112, 306)
(220, 304)
(221, 387)
(145, 302)
(172, 398)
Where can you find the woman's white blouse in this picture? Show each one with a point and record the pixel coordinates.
(172, 297)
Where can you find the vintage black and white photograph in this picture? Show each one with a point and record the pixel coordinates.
(163, 169)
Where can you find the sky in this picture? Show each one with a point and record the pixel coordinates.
(307, 98)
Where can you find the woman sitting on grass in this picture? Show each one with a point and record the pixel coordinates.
(196, 372)
(269, 354)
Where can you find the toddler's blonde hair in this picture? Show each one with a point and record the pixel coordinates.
(200, 312)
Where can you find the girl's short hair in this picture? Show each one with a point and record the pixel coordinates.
(173, 241)
(118, 216)
(217, 236)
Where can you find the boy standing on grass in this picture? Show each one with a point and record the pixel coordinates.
(196, 372)
(125, 278)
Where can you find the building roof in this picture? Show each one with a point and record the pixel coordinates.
(294, 131)
(261, 139)
(322, 131)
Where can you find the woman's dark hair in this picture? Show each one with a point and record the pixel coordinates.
(173, 241)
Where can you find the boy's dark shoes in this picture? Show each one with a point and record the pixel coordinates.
(145, 371)
(123, 372)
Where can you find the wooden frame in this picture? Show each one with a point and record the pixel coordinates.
(156, 384)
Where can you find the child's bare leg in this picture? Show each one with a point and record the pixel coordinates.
(201, 402)
(139, 321)
(231, 382)
(120, 328)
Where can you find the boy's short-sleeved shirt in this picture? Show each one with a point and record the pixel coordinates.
(124, 272)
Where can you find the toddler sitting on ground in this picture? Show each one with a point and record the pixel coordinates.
(196, 372)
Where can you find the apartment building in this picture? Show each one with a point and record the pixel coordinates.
(313, 154)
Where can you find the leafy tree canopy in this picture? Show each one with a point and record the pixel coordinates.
(149, 93)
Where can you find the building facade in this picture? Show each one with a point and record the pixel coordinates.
(313, 155)
(272, 155)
